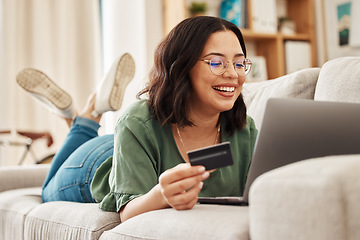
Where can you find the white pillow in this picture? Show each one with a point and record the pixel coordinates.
(339, 81)
(300, 84)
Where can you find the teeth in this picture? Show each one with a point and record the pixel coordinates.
(225, 89)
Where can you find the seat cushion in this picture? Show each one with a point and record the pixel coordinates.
(14, 207)
(68, 220)
(201, 222)
(300, 84)
(339, 80)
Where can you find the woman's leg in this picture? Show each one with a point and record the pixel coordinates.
(81, 131)
(83, 151)
(72, 180)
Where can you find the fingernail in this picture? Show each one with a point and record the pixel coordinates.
(201, 169)
(201, 184)
(205, 175)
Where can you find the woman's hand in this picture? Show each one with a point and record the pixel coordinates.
(179, 188)
(181, 185)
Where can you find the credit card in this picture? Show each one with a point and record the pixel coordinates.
(212, 157)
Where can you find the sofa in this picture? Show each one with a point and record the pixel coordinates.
(311, 199)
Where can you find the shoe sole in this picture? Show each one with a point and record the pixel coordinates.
(125, 71)
(35, 81)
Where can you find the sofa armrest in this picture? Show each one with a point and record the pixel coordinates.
(312, 199)
(204, 221)
(13, 177)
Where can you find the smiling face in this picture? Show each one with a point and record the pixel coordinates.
(212, 93)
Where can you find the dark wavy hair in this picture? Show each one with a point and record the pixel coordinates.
(169, 87)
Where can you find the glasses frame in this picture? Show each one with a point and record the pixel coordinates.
(225, 66)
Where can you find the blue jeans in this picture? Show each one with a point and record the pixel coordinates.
(74, 165)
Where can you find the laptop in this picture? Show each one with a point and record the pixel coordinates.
(297, 129)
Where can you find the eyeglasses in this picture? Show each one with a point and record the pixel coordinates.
(218, 65)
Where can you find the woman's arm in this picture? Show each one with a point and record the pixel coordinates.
(178, 188)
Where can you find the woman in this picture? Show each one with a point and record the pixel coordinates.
(193, 100)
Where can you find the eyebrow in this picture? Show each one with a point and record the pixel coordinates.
(222, 55)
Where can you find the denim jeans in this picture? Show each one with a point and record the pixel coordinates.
(74, 165)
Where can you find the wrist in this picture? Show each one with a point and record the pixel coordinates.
(160, 197)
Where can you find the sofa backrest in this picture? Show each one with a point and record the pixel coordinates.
(300, 84)
(339, 81)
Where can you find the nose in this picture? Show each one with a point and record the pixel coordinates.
(230, 71)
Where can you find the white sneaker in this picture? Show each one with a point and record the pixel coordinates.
(46, 92)
(110, 92)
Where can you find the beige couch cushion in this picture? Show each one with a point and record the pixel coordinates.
(202, 222)
(68, 220)
(339, 80)
(300, 84)
(14, 207)
(312, 199)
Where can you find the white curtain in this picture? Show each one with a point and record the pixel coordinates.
(59, 37)
(135, 27)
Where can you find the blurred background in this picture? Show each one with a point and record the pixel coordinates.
(75, 42)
